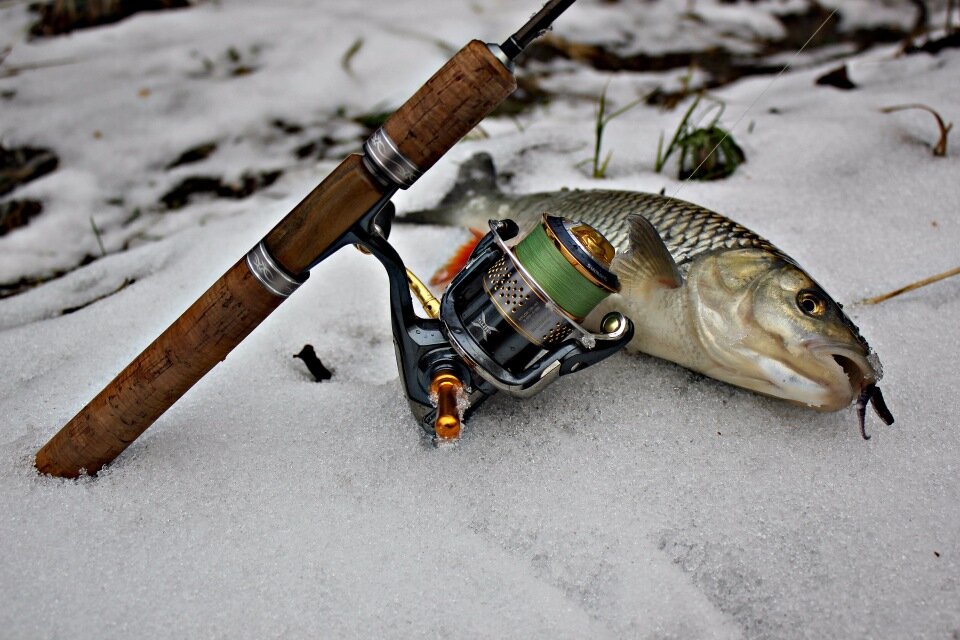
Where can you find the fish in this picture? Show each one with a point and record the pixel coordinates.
(702, 290)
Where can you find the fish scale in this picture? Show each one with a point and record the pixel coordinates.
(687, 230)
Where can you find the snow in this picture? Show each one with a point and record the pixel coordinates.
(636, 500)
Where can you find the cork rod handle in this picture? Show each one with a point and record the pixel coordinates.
(464, 91)
(164, 371)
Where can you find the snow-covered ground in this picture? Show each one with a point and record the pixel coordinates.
(632, 500)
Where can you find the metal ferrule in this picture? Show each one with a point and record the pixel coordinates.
(500, 55)
(271, 275)
(383, 159)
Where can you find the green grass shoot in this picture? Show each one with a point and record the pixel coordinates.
(602, 120)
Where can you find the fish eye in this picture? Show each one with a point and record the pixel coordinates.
(811, 303)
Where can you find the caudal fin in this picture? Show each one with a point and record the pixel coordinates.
(477, 177)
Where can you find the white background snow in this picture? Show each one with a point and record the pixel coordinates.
(633, 500)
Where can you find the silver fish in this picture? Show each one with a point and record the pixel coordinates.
(702, 291)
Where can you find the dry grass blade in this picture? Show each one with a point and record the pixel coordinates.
(941, 147)
(9, 72)
(99, 236)
(912, 286)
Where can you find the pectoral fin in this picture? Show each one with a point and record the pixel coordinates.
(457, 261)
(646, 262)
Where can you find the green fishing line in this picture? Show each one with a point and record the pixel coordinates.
(570, 289)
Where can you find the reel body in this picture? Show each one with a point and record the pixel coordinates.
(510, 320)
(501, 320)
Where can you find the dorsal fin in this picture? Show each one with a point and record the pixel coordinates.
(477, 176)
(646, 261)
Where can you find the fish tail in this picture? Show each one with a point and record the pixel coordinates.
(477, 177)
(441, 216)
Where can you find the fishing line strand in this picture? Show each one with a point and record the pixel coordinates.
(752, 104)
(560, 279)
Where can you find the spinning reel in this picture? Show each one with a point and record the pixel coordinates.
(450, 362)
(509, 321)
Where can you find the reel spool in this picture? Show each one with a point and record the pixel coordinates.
(514, 314)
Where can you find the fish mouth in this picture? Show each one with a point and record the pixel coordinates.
(858, 371)
(841, 374)
(862, 378)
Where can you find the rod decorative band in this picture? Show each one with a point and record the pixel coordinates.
(384, 160)
(271, 275)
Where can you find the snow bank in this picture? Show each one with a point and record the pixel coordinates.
(637, 500)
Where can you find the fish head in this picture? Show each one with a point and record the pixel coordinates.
(770, 327)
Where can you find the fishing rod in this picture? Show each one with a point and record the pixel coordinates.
(510, 321)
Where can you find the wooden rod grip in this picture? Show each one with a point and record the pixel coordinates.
(200, 338)
(324, 215)
(206, 332)
(464, 91)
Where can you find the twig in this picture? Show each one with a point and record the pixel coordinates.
(447, 48)
(123, 285)
(920, 24)
(941, 147)
(912, 286)
(351, 51)
(14, 70)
